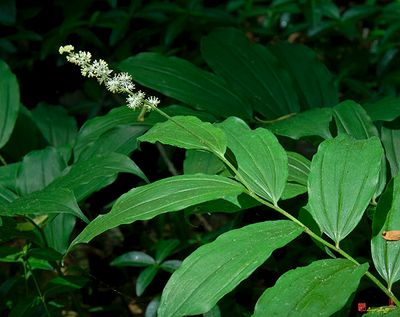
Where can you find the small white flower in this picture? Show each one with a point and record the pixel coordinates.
(113, 84)
(81, 58)
(126, 82)
(154, 101)
(136, 100)
(100, 70)
(65, 49)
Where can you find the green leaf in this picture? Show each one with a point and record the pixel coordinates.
(45, 253)
(215, 269)
(343, 177)
(299, 168)
(25, 136)
(386, 109)
(58, 232)
(151, 309)
(386, 254)
(388, 311)
(167, 195)
(87, 177)
(65, 284)
(9, 102)
(353, 120)
(8, 175)
(391, 143)
(57, 127)
(121, 139)
(133, 258)
(38, 169)
(293, 190)
(214, 312)
(313, 82)
(202, 162)
(189, 133)
(171, 265)
(307, 123)
(144, 279)
(252, 71)
(6, 195)
(179, 79)
(94, 128)
(46, 201)
(262, 161)
(319, 289)
(164, 248)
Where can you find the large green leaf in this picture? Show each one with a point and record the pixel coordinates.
(57, 127)
(307, 123)
(353, 120)
(343, 177)
(215, 269)
(58, 232)
(386, 254)
(169, 194)
(391, 143)
(179, 79)
(202, 162)
(87, 177)
(121, 139)
(38, 169)
(94, 128)
(252, 71)
(46, 201)
(319, 289)
(386, 109)
(9, 102)
(262, 161)
(313, 82)
(189, 133)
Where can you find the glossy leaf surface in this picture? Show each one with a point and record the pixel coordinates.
(167, 195)
(179, 79)
(262, 161)
(252, 71)
(343, 177)
(319, 289)
(386, 254)
(353, 120)
(307, 123)
(87, 177)
(215, 269)
(94, 128)
(52, 201)
(313, 82)
(189, 133)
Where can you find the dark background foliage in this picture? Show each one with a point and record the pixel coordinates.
(358, 41)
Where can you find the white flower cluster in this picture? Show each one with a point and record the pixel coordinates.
(119, 83)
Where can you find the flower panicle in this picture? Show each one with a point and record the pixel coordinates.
(117, 83)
